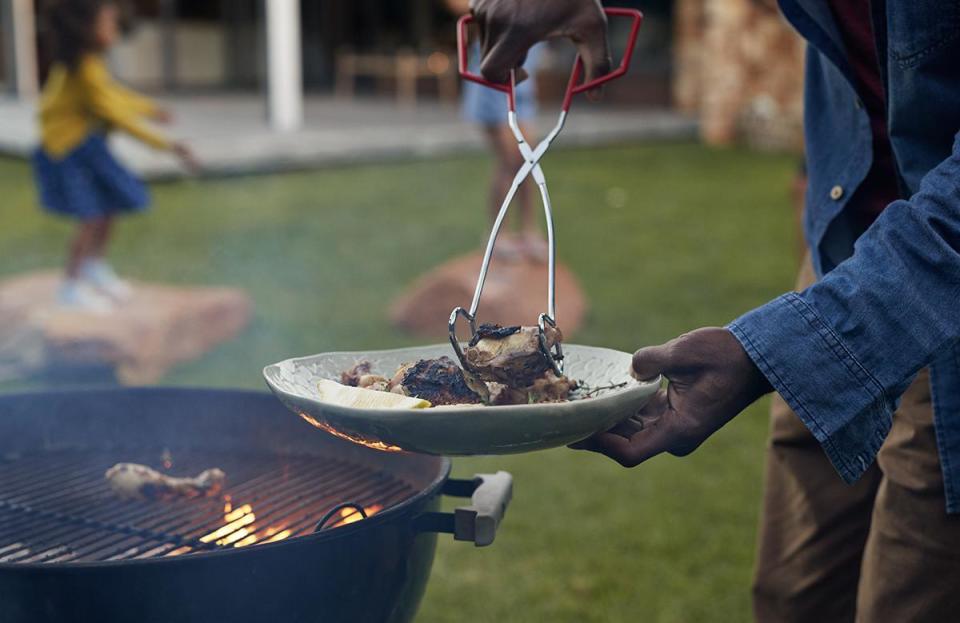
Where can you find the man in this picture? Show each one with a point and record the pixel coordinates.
(848, 355)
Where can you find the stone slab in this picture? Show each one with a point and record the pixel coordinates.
(160, 327)
(515, 294)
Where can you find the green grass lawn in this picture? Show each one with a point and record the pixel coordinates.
(702, 236)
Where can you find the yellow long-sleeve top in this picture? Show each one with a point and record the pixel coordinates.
(87, 99)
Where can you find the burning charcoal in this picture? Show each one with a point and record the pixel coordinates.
(439, 381)
(510, 355)
(139, 482)
(352, 376)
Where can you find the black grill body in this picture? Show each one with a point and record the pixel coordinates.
(70, 551)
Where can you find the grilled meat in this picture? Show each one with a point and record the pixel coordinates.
(353, 375)
(501, 394)
(139, 482)
(548, 388)
(373, 381)
(510, 355)
(360, 376)
(506, 367)
(551, 388)
(440, 381)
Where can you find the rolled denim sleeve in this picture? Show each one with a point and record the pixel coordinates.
(843, 351)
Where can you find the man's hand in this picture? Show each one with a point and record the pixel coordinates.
(508, 28)
(711, 380)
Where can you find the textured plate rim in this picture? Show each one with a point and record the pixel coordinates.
(639, 388)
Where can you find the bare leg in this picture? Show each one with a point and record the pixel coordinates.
(532, 243)
(102, 236)
(100, 274)
(82, 246)
(528, 216)
(507, 161)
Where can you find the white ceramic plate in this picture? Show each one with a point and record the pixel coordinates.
(463, 430)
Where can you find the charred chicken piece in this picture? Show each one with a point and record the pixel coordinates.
(439, 381)
(510, 355)
(139, 482)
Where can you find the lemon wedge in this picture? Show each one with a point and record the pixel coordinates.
(362, 398)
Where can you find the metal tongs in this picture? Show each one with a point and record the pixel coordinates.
(531, 166)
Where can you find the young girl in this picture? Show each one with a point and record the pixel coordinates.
(76, 174)
(488, 109)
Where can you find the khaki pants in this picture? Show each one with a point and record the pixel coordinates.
(882, 549)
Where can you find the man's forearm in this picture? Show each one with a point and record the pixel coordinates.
(843, 351)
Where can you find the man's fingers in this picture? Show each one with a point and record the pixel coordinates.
(503, 47)
(691, 351)
(656, 407)
(631, 452)
(591, 41)
(609, 444)
(652, 361)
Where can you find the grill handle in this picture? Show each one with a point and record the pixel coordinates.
(489, 496)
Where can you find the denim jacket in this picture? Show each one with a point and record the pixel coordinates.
(842, 352)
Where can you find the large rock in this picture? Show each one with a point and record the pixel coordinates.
(160, 327)
(515, 293)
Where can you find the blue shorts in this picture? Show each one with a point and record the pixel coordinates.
(88, 183)
(488, 106)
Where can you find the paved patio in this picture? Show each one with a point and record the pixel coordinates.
(230, 135)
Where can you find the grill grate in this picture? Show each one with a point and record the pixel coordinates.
(57, 507)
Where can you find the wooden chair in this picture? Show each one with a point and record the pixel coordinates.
(404, 68)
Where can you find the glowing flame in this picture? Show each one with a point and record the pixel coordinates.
(376, 444)
(239, 527)
(236, 519)
(275, 534)
(239, 513)
(350, 515)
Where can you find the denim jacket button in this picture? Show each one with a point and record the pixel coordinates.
(858, 103)
(836, 192)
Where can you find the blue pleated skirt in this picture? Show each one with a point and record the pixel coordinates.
(88, 183)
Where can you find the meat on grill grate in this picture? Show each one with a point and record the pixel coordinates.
(139, 482)
(57, 507)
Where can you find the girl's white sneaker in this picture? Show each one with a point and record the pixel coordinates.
(79, 296)
(101, 276)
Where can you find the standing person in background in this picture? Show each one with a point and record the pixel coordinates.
(76, 174)
(488, 109)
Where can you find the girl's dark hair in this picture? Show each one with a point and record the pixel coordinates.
(70, 29)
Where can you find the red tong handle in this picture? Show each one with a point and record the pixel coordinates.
(572, 87)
